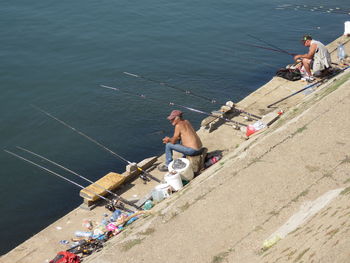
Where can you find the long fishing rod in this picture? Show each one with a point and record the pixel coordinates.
(80, 176)
(316, 84)
(271, 45)
(143, 172)
(187, 92)
(174, 104)
(267, 48)
(111, 205)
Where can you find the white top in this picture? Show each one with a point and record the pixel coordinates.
(322, 58)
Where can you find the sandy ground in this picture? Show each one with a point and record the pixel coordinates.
(226, 213)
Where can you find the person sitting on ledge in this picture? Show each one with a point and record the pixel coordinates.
(318, 58)
(185, 139)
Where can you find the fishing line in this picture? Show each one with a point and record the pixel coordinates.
(321, 9)
(267, 48)
(271, 45)
(97, 143)
(54, 173)
(80, 176)
(187, 92)
(173, 104)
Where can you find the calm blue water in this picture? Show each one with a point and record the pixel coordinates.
(55, 54)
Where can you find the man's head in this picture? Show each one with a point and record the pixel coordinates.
(175, 115)
(306, 40)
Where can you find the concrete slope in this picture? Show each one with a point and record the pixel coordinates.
(227, 213)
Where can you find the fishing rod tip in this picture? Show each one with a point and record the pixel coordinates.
(130, 74)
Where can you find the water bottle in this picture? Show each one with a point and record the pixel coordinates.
(341, 52)
(148, 205)
(83, 234)
(115, 215)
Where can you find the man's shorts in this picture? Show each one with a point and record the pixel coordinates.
(317, 65)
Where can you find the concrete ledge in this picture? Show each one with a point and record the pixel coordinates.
(144, 165)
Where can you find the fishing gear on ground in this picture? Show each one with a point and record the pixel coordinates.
(112, 204)
(289, 73)
(188, 92)
(312, 85)
(236, 124)
(144, 175)
(88, 246)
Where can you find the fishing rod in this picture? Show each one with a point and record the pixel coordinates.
(187, 92)
(267, 48)
(143, 174)
(271, 45)
(174, 104)
(80, 176)
(111, 204)
(316, 84)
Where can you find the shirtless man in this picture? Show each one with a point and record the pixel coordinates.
(318, 57)
(189, 142)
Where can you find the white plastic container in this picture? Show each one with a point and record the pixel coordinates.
(174, 180)
(160, 192)
(347, 28)
(186, 173)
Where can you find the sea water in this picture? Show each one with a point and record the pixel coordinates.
(56, 54)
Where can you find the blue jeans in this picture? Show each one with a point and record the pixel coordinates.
(169, 147)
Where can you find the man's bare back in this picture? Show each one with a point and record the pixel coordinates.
(188, 135)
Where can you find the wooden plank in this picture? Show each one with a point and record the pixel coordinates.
(110, 181)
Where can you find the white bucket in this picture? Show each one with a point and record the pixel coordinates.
(347, 28)
(174, 180)
(186, 173)
(161, 192)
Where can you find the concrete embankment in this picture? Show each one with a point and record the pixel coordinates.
(236, 210)
(230, 211)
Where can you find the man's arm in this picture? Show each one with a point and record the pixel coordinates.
(176, 136)
(309, 55)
